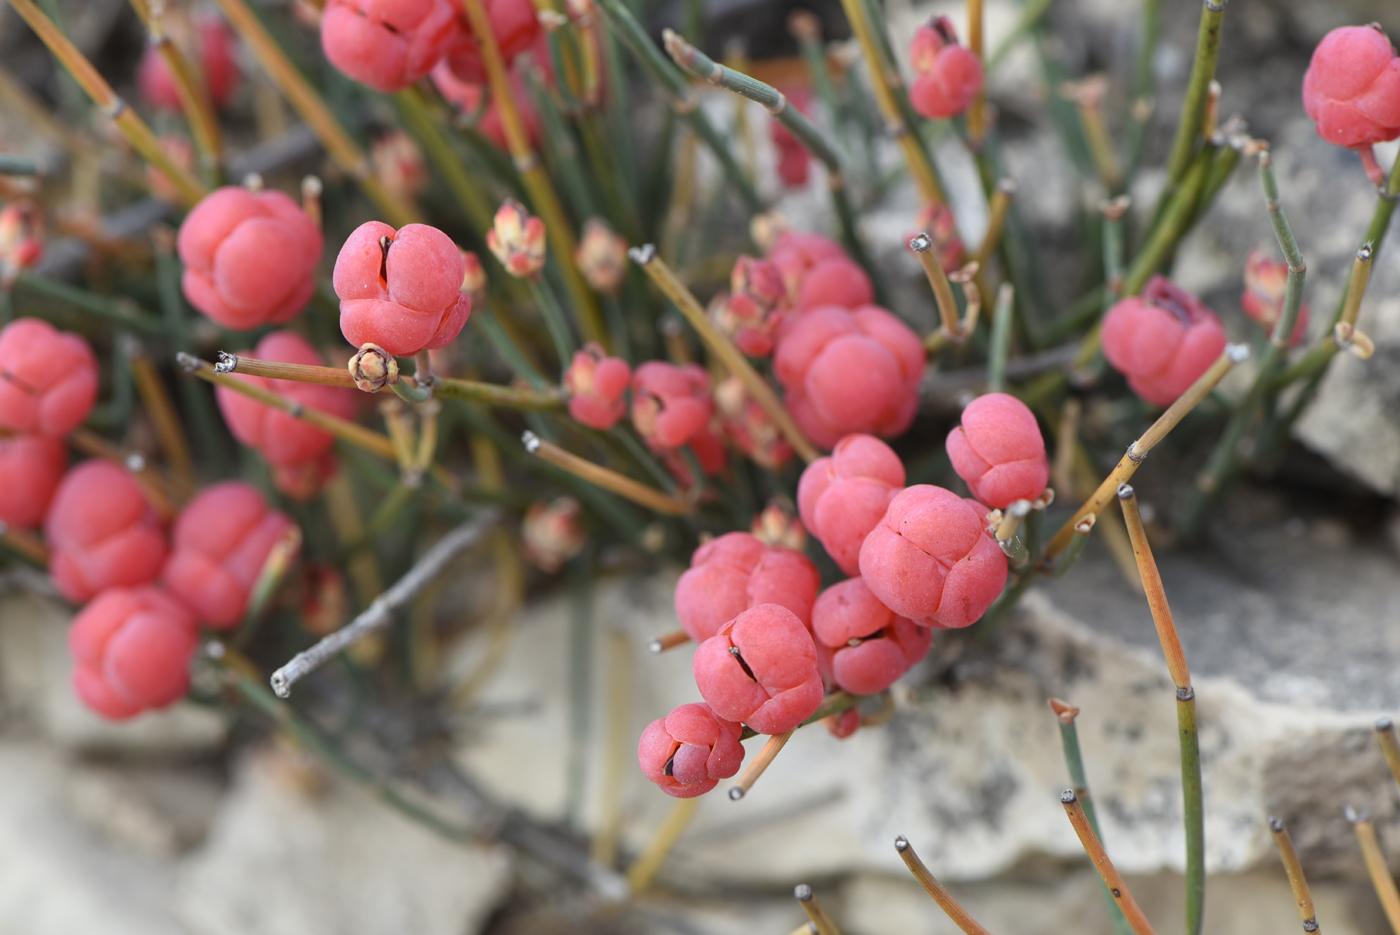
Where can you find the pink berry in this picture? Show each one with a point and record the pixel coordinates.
(795, 252)
(849, 370)
(466, 96)
(400, 289)
(516, 28)
(837, 280)
(689, 750)
(999, 451)
(842, 497)
(390, 44)
(670, 404)
(220, 541)
(931, 559)
(131, 650)
(597, 384)
(250, 257)
(302, 482)
(761, 670)
(30, 469)
(217, 60)
(48, 378)
(1352, 87)
(1162, 340)
(1265, 282)
(735, 572)
(284, 441)
(949, 75)
(867, 647)
(102, 532)
(708, 449)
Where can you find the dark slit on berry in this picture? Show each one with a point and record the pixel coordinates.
(734, 651)
(670, 768)
(384, 243)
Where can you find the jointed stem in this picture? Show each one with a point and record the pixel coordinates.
(191, 90)
(1074, 760)
(606, 478)
(97, 88)
(697, 63)
(950, 906)
(719, 345)
(1377, 867)
(1188, 130)
(669, 78)
(893, 103)
(307, 103)
(1137, 452)
(1111, 878)
(1296, 881)
(343, 429)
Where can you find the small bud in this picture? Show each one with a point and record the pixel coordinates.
(398, 165)
(602, 256)
(551, 533)
(474, 279)
(373, 368)
(766, 228)
(21, 237)
(778, 525)
(517, 239)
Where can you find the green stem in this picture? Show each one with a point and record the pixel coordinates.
(697, 63)
(1188, 130)
(1074, 760)
(553, 315)
(500, 341)
(505, 397)
(10, 164)
(1070, 555)
(1140, 100)
(665, 74)
(1172, 227)
(1001, 340)
(634, 447)
(420, 122)
(122, 311)
(1193, 809)
(1222, 461)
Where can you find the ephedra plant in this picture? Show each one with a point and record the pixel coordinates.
(586, 354)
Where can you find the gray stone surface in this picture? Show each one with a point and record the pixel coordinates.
(1288, 658)
(282, 860)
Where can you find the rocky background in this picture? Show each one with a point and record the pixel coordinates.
(183, 823)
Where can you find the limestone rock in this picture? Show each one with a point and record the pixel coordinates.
(281, 862)
(56, 877)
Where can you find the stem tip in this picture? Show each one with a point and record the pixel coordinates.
(1068, 797)
(803, 892)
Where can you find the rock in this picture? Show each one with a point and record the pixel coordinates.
(56, 877)
(278, 861)
(34, 683)
(1291, 668)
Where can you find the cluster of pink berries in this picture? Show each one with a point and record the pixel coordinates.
(107, 544)
(391, 44)
(772, 643)
(847, 366)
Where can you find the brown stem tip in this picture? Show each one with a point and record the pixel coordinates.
(1064, 711)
